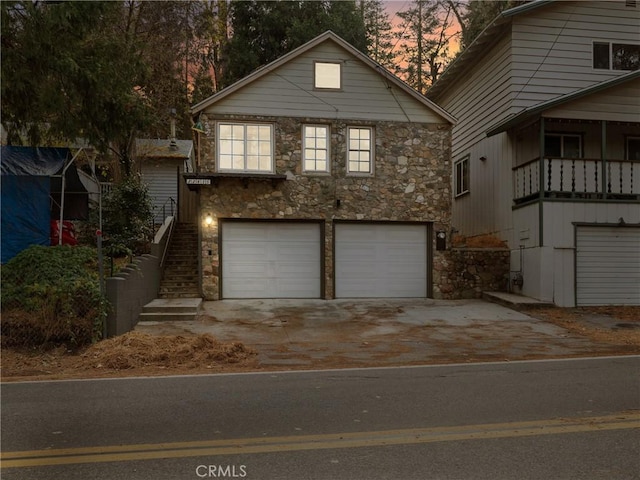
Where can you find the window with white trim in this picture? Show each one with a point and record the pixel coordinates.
(616, 56)
(359, 150)
(315, 148)
(244, 147)
(562, 145)
(327, 75)
(461, 176)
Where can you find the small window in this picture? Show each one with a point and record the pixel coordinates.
(601, 56)
(616, 56)
(315, 147)
(327, 75)
(245, 147)
(558, 145)
(461, 176)
(360, 150)
(633, 148)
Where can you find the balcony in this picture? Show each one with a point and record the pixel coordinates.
(576, 179)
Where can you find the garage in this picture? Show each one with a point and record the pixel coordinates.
(271, 260)
(607, 265)
(381, 260)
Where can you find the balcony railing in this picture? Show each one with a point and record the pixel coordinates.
(578, 178)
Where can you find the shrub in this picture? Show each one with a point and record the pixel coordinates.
(127, 218)
(51, 296)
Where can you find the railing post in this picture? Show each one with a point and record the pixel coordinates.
(603, 156)
(541, 185)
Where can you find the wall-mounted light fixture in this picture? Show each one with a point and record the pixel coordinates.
(483, 159)
(208, 220)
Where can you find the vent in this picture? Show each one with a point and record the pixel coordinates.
(631, 3)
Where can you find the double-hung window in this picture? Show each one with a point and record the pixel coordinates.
(315, 148)
(360, 150)
(245, 147)
(616, 56)
(562, 145)
(461, 176)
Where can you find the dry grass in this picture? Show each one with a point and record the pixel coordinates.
(136, 352)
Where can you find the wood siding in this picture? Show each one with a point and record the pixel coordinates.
(288, 91)
(620, 103)
(552, 48)
(481, 99)
(162, 180)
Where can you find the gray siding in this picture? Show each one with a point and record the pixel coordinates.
(288, 91)
(552, 49)
(616, 104)
(482, 99)
(161, 178)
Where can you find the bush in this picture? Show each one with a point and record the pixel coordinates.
(51, 296)
(127, 218)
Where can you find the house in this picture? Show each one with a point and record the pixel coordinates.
(161, 164)
(546, 150)
(322, 175)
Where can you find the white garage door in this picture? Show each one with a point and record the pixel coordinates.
(380, 260)
(270, 260)
(607, 266)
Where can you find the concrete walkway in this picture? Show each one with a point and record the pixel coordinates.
(352, 333)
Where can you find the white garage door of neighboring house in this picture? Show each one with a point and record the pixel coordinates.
(271, 260)
(380, 260)
(607, 265)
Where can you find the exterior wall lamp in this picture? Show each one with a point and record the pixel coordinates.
(208, 220)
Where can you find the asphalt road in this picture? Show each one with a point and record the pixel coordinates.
(564, 419)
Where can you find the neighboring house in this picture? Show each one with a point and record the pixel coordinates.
(322, 175)
(161, 164)
(546, 150)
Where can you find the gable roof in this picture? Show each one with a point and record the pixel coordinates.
(328, 36)
(535, 110)
(475, 52)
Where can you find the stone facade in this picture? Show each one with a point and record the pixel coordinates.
(467, 272)
(410, 183)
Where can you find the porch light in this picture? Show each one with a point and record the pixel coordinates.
(208, 220)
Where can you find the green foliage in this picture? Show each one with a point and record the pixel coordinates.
(479, 14)
(263, 31)
(51, 296)
(127, 217)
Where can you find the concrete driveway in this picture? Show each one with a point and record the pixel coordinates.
(387, 332)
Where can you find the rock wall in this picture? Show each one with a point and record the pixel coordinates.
(467, 272)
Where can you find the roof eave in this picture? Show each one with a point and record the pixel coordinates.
(536, 110)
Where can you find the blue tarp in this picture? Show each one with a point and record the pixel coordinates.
(29, 195)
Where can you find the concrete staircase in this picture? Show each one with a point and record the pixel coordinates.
(180, 275)
(170, 309)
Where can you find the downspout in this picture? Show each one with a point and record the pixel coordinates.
(541, 186)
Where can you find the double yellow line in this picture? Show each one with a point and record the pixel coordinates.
(411, 436)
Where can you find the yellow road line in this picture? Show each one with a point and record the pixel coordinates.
(120, 453)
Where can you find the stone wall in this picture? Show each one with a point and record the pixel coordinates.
(411, 183)
(467, 272)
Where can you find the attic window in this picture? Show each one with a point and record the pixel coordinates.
(327, 75)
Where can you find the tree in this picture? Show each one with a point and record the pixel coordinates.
(105, 72)
(423, 39)
(265, 30)
(474, 16)
(378, 32)
(63, 78)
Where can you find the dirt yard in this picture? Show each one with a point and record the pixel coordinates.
(139, 354)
